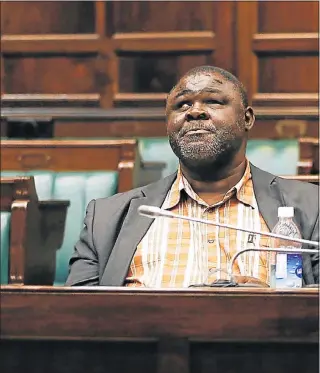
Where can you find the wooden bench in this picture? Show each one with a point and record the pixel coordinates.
(81, 155)
(35, 231)
(41, 122)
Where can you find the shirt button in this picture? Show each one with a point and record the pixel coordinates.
(210, 241)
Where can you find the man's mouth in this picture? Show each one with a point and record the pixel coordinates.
(197, 132)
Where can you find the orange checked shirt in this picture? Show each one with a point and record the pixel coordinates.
(177, 253)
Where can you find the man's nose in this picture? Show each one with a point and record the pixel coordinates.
(196, 113)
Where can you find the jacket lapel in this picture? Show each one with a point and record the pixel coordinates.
(133, 230)
(268, 195)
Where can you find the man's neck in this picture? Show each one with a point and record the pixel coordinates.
(223, 180)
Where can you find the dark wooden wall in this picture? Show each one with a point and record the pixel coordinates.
(119, 53)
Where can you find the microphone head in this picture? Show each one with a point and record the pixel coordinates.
(154, 212)
(149, 211)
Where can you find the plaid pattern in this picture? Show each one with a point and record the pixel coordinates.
(176, 253)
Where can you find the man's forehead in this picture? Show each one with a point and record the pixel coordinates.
(201, 81)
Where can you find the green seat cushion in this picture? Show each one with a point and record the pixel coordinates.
(5, 241)
(79, 189)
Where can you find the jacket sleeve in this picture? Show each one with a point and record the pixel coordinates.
(315, 256)
(83, 265)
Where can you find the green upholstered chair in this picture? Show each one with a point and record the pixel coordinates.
(77, 171)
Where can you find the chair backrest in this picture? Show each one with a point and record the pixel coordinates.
(119, 157)
(31, 232)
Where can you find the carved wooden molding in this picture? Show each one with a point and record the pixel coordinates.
(70, 43)
(285, 42)
(164, 41)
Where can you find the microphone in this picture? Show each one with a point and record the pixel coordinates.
(154, 212)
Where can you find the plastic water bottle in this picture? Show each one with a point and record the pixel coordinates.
(285, 269)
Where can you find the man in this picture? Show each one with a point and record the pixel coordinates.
(208, 121)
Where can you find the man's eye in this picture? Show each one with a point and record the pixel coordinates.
(213, 102)
(184, 105)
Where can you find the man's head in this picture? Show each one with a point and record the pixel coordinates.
(208, 117)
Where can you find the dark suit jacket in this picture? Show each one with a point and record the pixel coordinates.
(113, 227)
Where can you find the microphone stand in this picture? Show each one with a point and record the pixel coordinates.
(290, 251)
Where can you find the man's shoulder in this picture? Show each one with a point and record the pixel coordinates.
(297, 185)
(152, 188)
(289, 184)
(299, 193)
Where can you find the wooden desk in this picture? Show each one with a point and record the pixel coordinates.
(81, 330)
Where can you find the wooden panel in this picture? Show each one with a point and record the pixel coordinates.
(168, 333)
(160, 314)
(43, 17)
(278, 52)
(174, 33)
(81, 357)
(155, 51)
(288, 16)
(288, 74)
(57, 74)
(153, 16)
(184, 29)
(257, 357)
(156, 72)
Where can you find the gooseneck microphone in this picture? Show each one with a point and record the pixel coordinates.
(154, 212)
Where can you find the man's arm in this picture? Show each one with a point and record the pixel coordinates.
(315, 257)
(84, 268)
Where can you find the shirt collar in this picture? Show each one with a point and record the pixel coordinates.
(181, 185)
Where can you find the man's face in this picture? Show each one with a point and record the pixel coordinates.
(205, 120)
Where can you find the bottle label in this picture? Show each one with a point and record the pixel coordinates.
(288, 271)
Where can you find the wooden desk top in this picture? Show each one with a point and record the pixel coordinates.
(110, 313)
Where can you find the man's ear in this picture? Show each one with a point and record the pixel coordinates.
(249, 118)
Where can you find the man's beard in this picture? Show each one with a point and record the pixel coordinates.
(216, 149)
